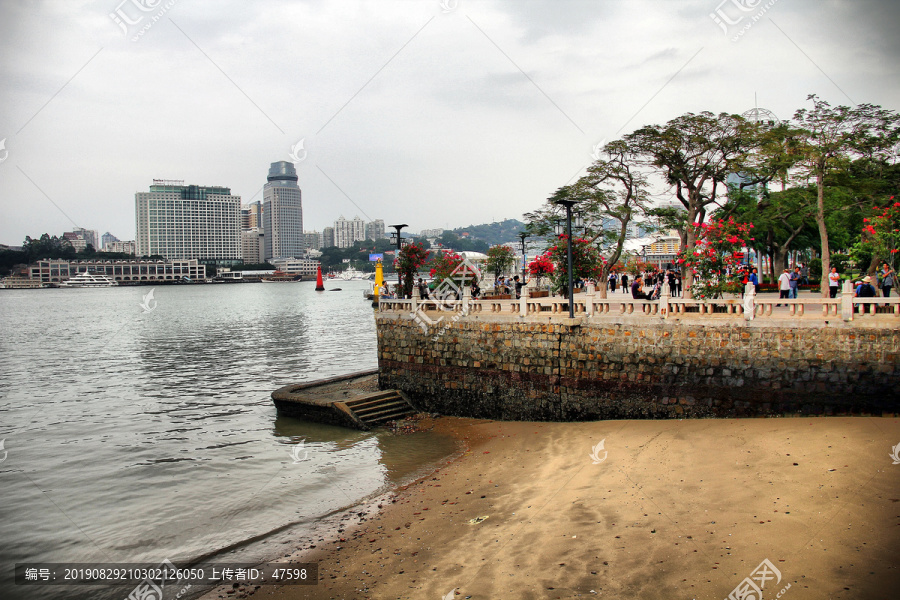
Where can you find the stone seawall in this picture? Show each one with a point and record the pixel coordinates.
(549, 371)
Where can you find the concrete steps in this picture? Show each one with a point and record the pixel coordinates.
(378, 408)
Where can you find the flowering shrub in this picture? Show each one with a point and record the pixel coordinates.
(443, 265)
(586, 261)
(411, 258)
(715, 260)
(541, 267)
(884, 231)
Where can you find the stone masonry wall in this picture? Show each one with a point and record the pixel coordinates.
(545, 371)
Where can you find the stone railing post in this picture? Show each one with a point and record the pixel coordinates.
(664, 295)
(749, 301)
(590, 291)
(847, 301)
(523, 302)
(466, 299)
(414, 307)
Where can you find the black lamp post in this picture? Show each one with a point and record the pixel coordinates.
(399, 245)
(522, 236)
(569, 204)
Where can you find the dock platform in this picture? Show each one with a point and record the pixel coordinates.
(352, 400)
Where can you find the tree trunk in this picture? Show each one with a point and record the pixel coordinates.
(823, 230)
(690, 240)
(603, 282)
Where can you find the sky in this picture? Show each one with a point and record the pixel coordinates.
(434, 113)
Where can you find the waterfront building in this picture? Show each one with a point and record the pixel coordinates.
(296, 266)
(313, 240)
(375, 230)
(127, 247)
(346, 232)
(282, 212)
(328, 237)
(252, 242)
(58, 270)
(174, 220)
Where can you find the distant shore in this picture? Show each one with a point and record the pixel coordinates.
(664, 509)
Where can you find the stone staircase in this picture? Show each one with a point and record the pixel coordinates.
(376, 409)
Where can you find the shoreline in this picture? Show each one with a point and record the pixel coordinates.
(675, 508)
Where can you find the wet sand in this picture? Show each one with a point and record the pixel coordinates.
(667, 509)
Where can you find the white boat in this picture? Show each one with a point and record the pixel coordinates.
(352, 273)
(89, 280)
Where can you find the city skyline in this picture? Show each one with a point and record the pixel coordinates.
(438, 115)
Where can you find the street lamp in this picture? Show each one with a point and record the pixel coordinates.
(569, 204)
(522, 236)
(399, 240)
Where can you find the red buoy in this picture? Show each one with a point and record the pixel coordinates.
(320, 286)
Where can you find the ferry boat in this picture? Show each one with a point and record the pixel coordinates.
(21, 282)
(279, 276)
(89, 280)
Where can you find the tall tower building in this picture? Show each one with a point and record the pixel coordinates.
(347, 232)
(178, 221)
(282, 213)
(328, 237)
(375, 229)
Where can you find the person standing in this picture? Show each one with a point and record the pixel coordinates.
(625, 282)
(834, 282)
(754, 279)
(804, 274)
(784, 285)
(678, 284)
(794, 282)
(887, 279)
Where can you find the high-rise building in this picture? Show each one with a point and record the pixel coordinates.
(313, 240)
(375, 230)
(252, 245)
(346, 232)
(251, 215)
(107, 238)
(79, 238)
(282, 212)
(328, 237)
(431, 233)
(174, 220)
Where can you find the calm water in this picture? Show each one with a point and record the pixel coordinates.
(134, 436)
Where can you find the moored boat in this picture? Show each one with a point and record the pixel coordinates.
(89, 280)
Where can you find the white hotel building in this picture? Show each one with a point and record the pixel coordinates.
(174, 220)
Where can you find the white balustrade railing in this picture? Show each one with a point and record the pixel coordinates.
(751, 306)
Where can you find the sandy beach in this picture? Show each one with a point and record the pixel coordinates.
(665, 509)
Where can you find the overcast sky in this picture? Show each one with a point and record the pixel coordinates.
(435, 114)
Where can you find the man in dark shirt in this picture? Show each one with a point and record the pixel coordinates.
(636, 292)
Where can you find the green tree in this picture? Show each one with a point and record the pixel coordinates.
(695, 153)
(829, 138)
(610, 197)
(500, 260)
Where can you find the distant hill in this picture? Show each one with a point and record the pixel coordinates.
(499, 232)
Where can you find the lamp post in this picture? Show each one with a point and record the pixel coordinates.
(399, 244)
(569, 204)
(522, 236)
